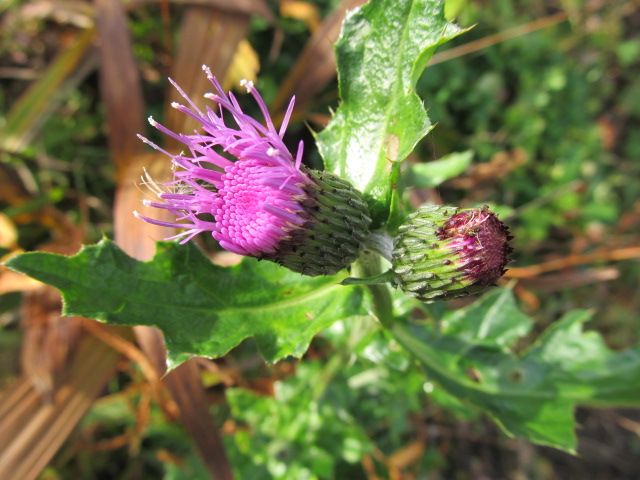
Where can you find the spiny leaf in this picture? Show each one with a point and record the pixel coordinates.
(202, 309)
(381, 53)
(532, 395)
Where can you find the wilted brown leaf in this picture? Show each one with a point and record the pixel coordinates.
(306, 12)
(8, 233)
(119, 83)
(48, 339)
(244, 65)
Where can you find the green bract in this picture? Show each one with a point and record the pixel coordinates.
(332, 236)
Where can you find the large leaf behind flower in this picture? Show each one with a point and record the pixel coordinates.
(382, 50)
(202, 309)
(532, 395)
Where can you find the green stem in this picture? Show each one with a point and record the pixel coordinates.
(370, 265)
(381, 243)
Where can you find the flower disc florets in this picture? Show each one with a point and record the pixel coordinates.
(240, 182)
(445, 252)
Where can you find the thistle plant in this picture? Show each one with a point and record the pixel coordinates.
(262, 202)
(237, 181)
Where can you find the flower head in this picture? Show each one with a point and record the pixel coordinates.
(445, 252)
(238, 181)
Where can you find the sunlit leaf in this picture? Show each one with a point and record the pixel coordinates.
(381, 53)
(533, 395)
(202, 309)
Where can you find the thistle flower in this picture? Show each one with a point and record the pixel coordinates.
(444, 252)
(239, 182)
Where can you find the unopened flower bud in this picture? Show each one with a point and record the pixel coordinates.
(443, 252)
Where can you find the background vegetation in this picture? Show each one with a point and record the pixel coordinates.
(537, 111)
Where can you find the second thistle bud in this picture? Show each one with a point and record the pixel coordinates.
(442, 252)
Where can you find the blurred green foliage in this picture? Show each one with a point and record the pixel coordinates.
(547, 93)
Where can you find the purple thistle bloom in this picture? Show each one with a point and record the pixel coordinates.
(241, 183)
(444, 252)
(254, 200)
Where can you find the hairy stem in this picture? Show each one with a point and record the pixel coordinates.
(381, 243)
(369, 265)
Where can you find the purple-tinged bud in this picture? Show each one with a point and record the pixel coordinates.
(239, 182)
(443, 252)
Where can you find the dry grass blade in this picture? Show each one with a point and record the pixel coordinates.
(207, 37)
(555, 282)
(31, 432)
(500, 165)
(122, 95)
(48, 339)
(125, 347)
(601, 255)
(316, 65)
(490, 40)
(120, 82)
(186, 387)
(31, 110)
(405, 457)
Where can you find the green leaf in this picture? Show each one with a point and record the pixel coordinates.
(202, 309)
(432, 174)
(532, 395)
(496, 320)
(382, 50)
(294, 434)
